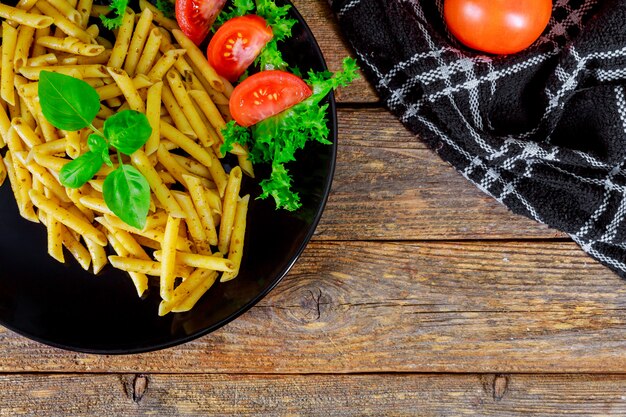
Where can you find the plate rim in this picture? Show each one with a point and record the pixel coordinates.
(332, 112)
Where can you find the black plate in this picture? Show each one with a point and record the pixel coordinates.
(64, 306)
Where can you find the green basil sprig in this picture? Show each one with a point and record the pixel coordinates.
(72, 104)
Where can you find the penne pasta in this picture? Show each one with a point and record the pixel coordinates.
(211, 262)
(150, 51)
(125, 239)
(210, 110)
(7, 74)
(55, 238)
(5, 125)
(138, 41)
(196, 56)
(79, 71)
(3, 171)
(168, 257)
(97, 254)
(25, 37)
(173, 168)
(111, 91)
(42, 60)
(153, 234)
(84, 9)
(174, 110)
(202, 208)
(158, 15)
(49, 148)
(72, 144)
(194, 225)
(147, 267)
(68, 219)
(124, 82)
(40, 50)
(184, 101)
(102, 58)
(95, 204)
(162, 193)
(235, 252)
(22, 17)
(78, 251)
(26, 133)
(189, 292)
(163, 65)
(63, 23)
(122, 41)
(231, 196)
(19, 176)
(26, 5)
(196, 219)
(70, 45)
(68, 11)
(139, 280)
(153, 108)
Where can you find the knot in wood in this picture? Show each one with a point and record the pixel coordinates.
(140, 386)
(315, 305)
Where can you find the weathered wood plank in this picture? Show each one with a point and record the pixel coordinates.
(330, 395)
(389, 186)
(391, 307)
(335, 48)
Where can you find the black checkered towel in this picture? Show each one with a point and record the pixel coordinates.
(542, 131)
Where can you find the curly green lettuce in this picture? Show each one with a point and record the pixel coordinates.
(277, 139)
(118, 7)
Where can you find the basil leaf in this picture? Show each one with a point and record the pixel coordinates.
(99, 144)
(96, 143)
(127, 131)
(127, 193)
(106, 157)
(76, 173)
(67, 102)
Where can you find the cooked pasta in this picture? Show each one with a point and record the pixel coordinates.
(196, 223)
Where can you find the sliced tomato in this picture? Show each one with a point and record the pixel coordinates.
(236, 45)
(195, 17)
(266, 94)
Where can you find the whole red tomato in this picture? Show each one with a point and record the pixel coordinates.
(497, 26)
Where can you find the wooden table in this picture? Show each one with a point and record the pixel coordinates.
(419, 295)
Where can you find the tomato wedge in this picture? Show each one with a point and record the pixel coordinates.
(195, 17)
(236, 45)
(266, 94)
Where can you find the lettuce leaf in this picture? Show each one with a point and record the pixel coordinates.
(277, 139)
(118, 7)
(238, 8)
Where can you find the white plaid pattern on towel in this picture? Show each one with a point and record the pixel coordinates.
(542, 131)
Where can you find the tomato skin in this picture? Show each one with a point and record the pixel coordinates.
(266, 94)
(497, 26)
(236, 45)
(195, 17)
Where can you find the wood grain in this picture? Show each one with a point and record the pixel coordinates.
(389, 186)
(321, 395)
(401, 307)
(412, 270)
(335, 48)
